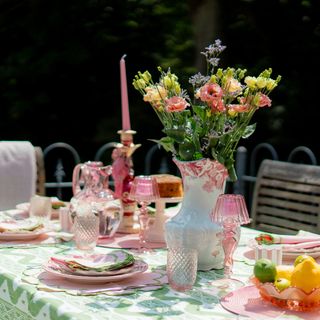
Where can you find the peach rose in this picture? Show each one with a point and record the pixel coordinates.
(210, 91)
(212, 94)
(262, 100)
(175, 104)
(233, 109)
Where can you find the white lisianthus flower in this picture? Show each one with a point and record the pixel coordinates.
(233, 85)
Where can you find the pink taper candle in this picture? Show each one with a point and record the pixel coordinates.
(124, 96)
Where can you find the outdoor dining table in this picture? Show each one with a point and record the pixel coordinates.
(23, 297)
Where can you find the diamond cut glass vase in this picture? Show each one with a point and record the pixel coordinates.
(203, 181)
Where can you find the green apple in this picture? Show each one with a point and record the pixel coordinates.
(282, 283)
(265, 270)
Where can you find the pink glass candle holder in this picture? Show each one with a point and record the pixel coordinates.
(231, 205)
(230, 213)
(144, 190)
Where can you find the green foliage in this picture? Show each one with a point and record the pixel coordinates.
(59, 61)
(58, 58)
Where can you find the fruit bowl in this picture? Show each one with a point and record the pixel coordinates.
(291, 298)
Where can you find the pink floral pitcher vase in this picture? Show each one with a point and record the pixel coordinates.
(203, 181)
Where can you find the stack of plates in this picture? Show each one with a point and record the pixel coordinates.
(96, 268)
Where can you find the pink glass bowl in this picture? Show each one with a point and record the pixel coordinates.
(291, 298)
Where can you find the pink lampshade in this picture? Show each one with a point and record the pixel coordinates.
(144, 189)
(231, 206)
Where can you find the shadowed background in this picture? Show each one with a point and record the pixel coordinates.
(60, 78)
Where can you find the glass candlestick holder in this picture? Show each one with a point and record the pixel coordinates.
(144, 190)
(230, 213)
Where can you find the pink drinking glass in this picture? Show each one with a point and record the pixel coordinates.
(230, 213)
(144, 190)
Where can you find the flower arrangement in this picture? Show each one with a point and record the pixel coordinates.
(212, 123)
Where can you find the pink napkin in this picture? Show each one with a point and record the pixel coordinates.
(127, 241)
(303, 241)
(268, 239)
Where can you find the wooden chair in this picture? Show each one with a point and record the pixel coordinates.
(41, 175)
(286, 198)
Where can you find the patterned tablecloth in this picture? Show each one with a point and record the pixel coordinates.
(22, 298)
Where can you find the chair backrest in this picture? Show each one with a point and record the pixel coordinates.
(21, 173)
(286, 198)
(41, 174)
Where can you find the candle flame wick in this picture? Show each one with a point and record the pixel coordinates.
(122, 58)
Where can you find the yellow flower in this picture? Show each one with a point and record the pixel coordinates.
(168, 82)
(146, 76)
(177, 88)
(154, 94)
(139, 84)
(232, 112)
(251, 82)
(213, 79)
(271, 84)
(261, 82)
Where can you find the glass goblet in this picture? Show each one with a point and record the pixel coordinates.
(144, 190)
(230, 213)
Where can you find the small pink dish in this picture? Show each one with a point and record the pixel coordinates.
(291, 298)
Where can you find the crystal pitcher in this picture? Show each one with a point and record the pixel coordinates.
(90, 184)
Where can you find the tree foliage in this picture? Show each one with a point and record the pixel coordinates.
(59, 61)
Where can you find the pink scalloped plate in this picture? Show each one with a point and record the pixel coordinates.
(291, 298)
(246, 301)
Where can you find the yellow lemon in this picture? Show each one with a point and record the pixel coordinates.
(302, 258)
(284, 271)
(306, 275)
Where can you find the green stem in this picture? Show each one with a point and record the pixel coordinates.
(234, 139)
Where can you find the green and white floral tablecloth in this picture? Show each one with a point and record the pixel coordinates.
(20, 300)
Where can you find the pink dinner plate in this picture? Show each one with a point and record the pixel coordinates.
(139, 267)
(246, 301)
(21, 235)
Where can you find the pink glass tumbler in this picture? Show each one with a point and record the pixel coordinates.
(144, 190)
